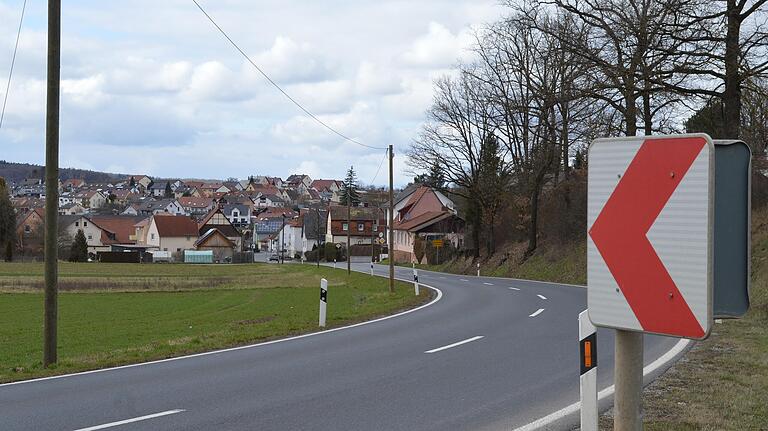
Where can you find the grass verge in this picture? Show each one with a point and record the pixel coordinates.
(129, 313)
(722, 383)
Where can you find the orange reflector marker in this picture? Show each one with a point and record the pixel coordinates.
(588, 354)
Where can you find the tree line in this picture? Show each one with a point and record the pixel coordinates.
(553, 75)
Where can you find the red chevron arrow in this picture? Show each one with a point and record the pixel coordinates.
(620, 230)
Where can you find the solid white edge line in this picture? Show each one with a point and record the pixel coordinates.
(537, 312)
(513, 288)
(542, 297)
(607, 392)
(129, 421)
(250, 346)
(458, 343)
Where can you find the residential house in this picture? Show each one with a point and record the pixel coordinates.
(238, 214)
(153, 207)
(290, 236)
(423, 212)
(299, 179)
(365, 223)
(196, 207)
(91, 198)
(173, 233)
(29, 232)
(72, 184)
(72, 208)
(268, 200)
(314, 228)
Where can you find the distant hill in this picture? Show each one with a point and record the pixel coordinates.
(16, 172)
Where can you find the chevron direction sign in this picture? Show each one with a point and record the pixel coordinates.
(650, 225)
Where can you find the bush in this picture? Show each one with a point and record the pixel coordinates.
(330, 252)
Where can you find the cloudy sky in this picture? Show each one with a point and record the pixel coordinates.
(151, 87)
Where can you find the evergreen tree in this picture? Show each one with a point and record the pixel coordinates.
(168, 190)
(132, 185)
(349, 189)
(7, 220)
(79, 250)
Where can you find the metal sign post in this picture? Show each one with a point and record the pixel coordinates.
(649, 249)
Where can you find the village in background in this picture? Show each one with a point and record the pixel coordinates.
(138, 218)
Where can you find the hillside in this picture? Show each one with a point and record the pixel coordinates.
(15, 172)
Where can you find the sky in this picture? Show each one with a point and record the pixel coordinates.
(151, 87)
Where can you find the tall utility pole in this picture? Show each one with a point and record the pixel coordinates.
(282, 241)
(390, 223)
(349, 229)
(52, 183)
(317, 241)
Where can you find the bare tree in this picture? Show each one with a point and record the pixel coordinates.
(458, 125)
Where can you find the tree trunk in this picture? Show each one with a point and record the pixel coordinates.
(732, 93)
(534, 209)
(647, 117)
(630, 113)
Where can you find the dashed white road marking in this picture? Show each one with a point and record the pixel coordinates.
(513, 288)
(488, 284)
(459, 343)
(542, 297)
(464, 279)
(129, 421)
(537, 312)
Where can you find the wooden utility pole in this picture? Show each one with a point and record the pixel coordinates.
(390, 223)
(349, 229)
(52, 183)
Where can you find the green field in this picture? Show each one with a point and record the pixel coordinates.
(112, 314)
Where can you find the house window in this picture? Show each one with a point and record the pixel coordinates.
(361, 227)
(85, 224)
(178, 250)
(152, 235)
(77, 223)
(345, 226)
(90, 237)
(27, 229)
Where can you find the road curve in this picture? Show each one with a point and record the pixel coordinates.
(490, 354)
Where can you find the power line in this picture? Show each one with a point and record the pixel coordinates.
(13, 62)
(274, 84)
(380, 165)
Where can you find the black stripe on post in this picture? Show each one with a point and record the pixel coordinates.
(588, 352)
(324, 295)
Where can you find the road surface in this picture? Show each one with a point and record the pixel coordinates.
(488, 354)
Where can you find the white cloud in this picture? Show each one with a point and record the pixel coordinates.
(141, 95)
(290, 62)
(439, 48)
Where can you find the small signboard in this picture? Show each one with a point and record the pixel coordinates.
(437, 243)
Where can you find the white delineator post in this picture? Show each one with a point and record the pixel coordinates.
(588, 378)
(478, 269)
(334, 263)
(323, 300)
(416, 280)
(371, 267)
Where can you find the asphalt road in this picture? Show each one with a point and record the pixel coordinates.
(374, 376)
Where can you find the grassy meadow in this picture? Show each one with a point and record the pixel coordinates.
(113, 314)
